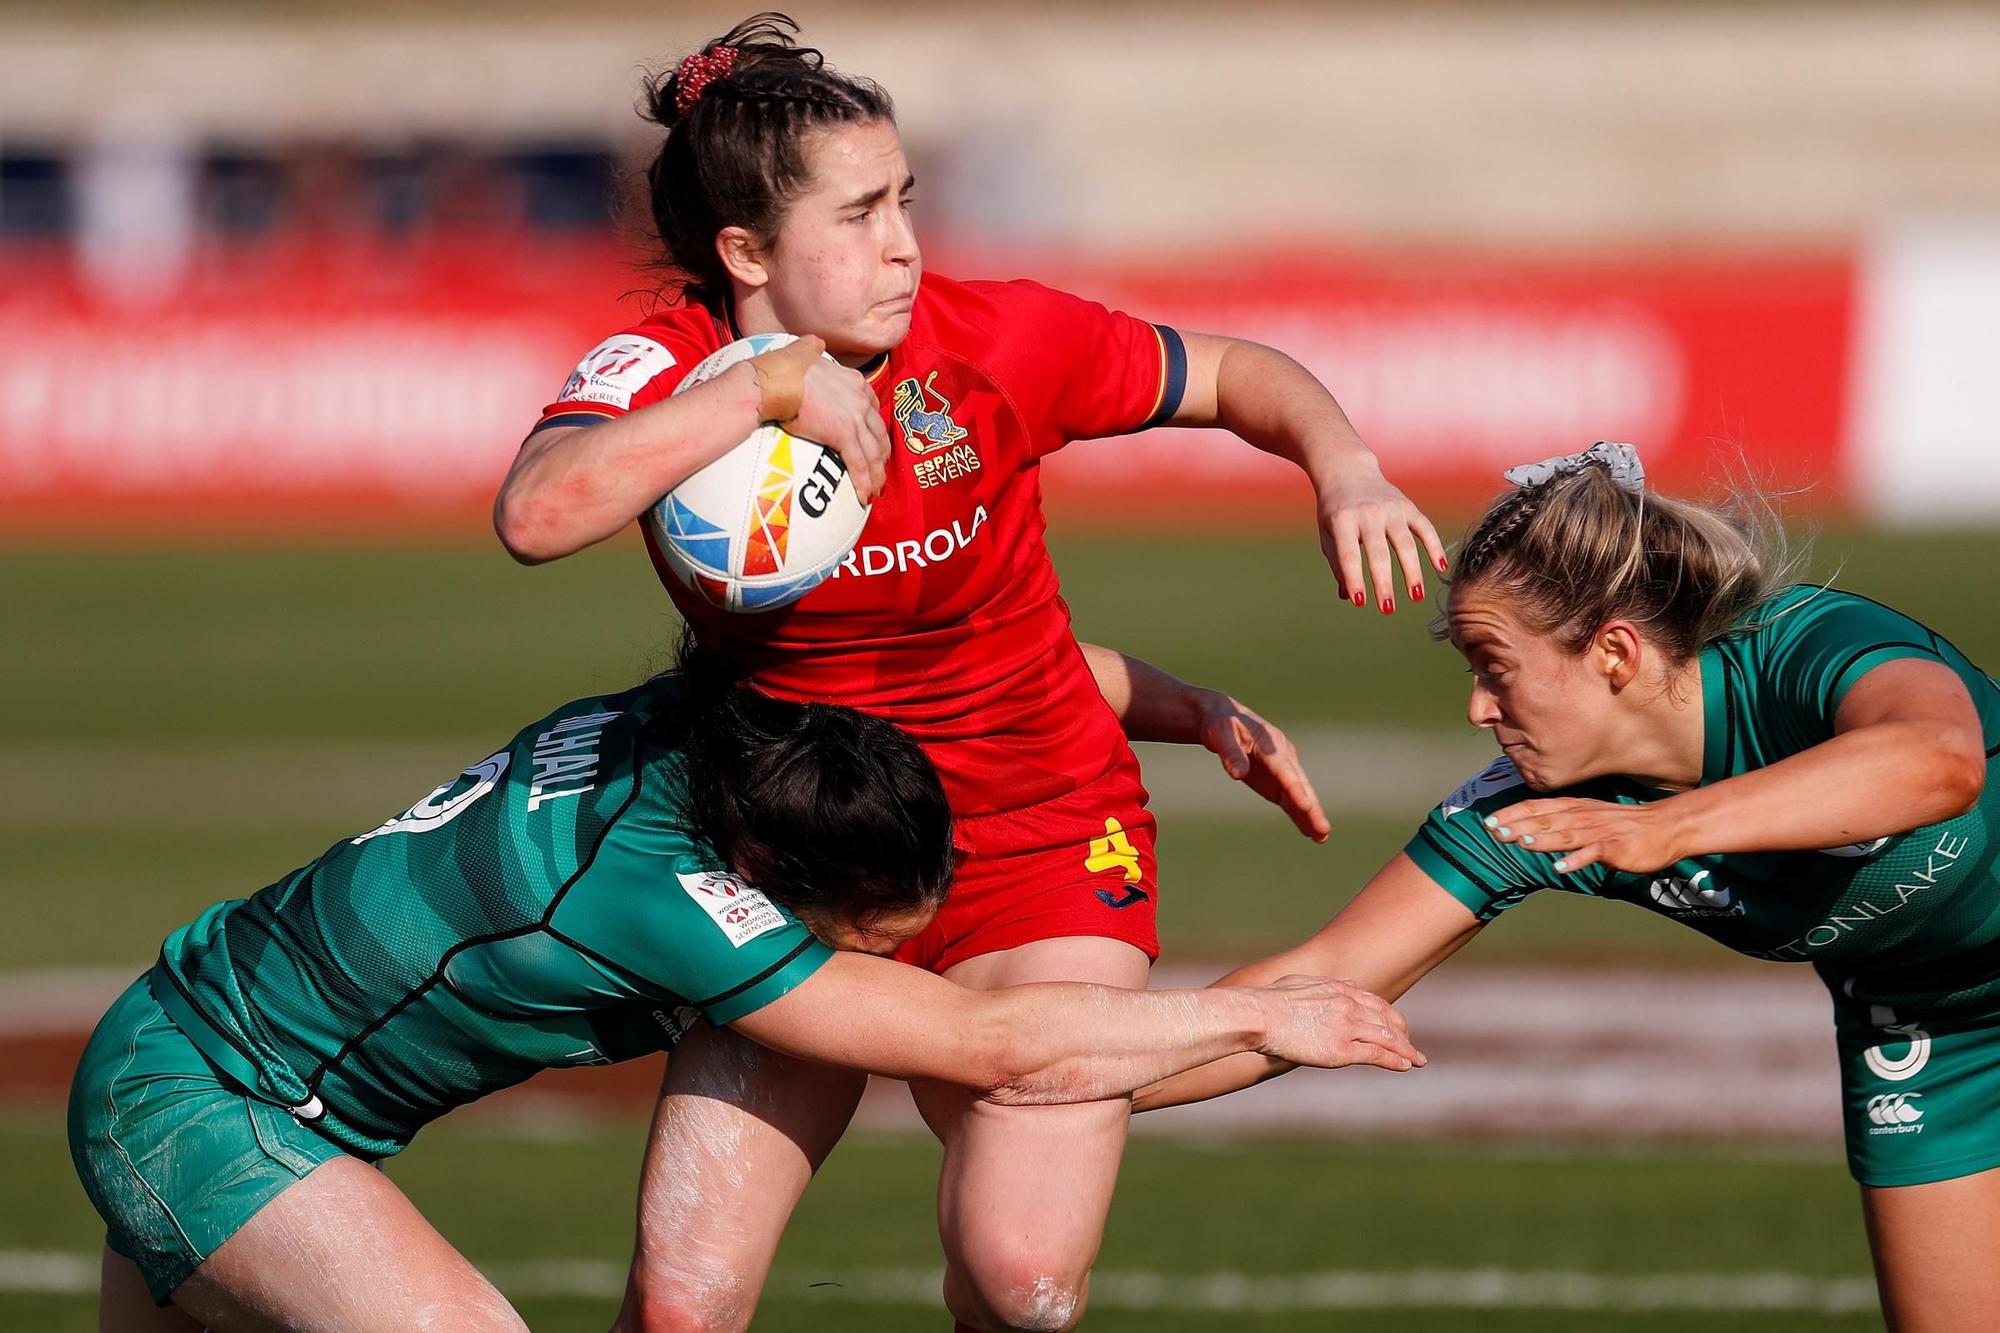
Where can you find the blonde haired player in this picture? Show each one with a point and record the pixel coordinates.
(1797, 772)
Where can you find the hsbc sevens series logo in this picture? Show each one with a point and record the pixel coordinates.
(614, 370)
(742, 912)
(1894, 1113)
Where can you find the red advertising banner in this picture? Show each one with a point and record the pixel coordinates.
(1456, 370)
(330, 387)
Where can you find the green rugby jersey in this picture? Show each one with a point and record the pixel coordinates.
(546, 907)
(1906, 921)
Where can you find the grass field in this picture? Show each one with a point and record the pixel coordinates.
(1239, 1223)
(186, 725)
(182, 725)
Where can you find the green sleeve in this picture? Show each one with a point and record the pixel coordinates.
(1817, 643)
(1454, 848)
(660, 919)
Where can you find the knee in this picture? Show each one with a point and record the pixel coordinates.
(1018, 1290)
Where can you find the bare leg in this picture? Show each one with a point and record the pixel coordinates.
(342, 1251)
(1015, 1257)
(738, 1132)
(1937, 1253)
(125, 1306)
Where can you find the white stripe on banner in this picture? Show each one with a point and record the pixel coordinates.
(48, 1272)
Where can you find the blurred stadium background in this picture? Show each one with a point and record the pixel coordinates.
(281, 287)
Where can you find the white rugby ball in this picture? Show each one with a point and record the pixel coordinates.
(767, 522)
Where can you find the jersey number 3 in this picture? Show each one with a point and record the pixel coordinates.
(444, 804)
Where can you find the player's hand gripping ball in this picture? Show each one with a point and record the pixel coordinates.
(767, 522)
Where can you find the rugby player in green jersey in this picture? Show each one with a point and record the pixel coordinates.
(621, 871)
(1799, 773)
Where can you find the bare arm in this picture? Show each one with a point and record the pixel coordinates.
(1275, 404)
(1907, 750)
(1061, 1041)
(1152, 705)
(1399, 927)
(573, 486)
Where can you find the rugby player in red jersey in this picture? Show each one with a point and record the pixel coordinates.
(782, 197)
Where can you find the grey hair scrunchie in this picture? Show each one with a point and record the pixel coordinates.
(1620, 460)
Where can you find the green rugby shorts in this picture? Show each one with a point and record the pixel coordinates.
(1921, 1095)
(173, 1154)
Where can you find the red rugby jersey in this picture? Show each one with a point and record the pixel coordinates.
(946, 618)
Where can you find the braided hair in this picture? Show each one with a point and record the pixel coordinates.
(738, 113)
(1573, 553)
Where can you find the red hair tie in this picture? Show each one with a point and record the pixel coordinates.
(698, 71)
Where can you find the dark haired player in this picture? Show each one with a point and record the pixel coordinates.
(578, 897)
(783, 198)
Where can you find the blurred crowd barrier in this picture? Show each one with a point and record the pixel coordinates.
(316, 267)
(328, 384)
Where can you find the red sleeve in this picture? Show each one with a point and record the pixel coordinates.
(1081, 371)
(626, 371)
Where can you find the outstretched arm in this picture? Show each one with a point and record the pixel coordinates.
(1907, 750)
(1061, 1041)
(1399, 927)
(1275, 403)
(1152, 705)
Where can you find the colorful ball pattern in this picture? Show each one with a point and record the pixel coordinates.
(767, 522)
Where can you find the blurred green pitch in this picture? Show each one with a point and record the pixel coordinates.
(186, 725)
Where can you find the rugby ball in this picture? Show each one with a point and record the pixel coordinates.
(767, 522)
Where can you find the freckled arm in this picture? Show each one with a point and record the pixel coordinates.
(573, 486)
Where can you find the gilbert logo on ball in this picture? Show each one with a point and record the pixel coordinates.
(767, 522)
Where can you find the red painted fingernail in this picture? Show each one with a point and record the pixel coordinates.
(1441, 564)
(1360, 600)
(1417, 593)
(1388, 605)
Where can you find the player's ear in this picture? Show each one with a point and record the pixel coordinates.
(1617, 651)
(742, 255)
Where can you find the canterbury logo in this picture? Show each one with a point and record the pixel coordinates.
(1692, 894)
(1893, 1108)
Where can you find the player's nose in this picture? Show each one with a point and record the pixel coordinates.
(1482, 709)
(900, 246)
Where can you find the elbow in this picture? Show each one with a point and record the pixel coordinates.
(1961, 779)
(1004, 1068)
(1024, 1078)
(1037, 1088)
(1006, 1077)
(527, 528)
